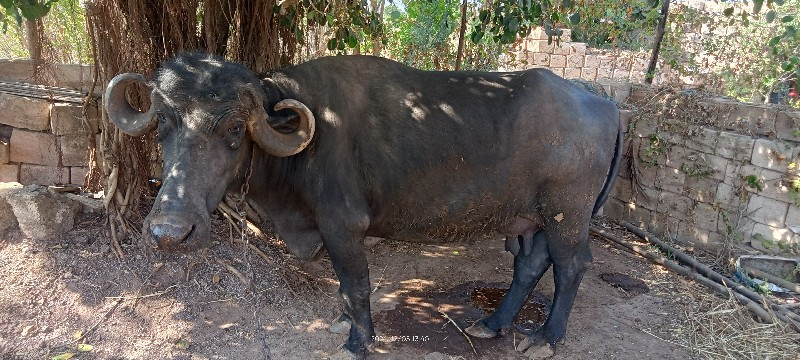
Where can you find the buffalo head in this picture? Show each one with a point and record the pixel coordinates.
(208, 113)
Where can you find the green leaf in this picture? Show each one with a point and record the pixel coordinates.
(778, 2)
(483, 16)
(790, 31)
(7, 3)
(770, 17)
(351, 41)
(64, 356)
(787, 19)
(332, 44)
(757, 4)
(513, 25)
(774, 41)
(85, 347)
(728, 11)
(574, 19)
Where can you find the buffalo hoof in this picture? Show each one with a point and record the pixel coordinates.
(479, 330)
(535, 347)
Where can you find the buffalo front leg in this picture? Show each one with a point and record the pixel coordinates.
(529, 266)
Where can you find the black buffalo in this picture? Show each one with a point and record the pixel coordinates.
(344, 147)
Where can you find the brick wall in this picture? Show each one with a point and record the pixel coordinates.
(709, 171)
(44, 143)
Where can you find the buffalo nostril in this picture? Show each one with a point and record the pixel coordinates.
(169, 234)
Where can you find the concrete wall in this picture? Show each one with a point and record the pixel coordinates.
(709, 170)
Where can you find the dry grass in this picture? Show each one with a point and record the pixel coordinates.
(724, 329)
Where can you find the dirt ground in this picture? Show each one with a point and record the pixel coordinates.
(151, 305)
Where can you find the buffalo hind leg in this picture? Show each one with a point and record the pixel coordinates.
(529, 266)
(570, 256)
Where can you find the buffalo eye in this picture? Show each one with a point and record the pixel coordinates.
(236, 128)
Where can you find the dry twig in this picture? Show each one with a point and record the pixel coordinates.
(448, 318)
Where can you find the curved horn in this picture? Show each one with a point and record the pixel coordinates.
(281, 145)
(131, 121)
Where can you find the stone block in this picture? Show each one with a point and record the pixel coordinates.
(767, 154)
(702, 139)
(676, 157)
(769, 234)
(614, 208)
(540, 46)
(591, 61)
(558, 61)
(671, 179)
(675, 205)
(793, 219)
(726, 197)
(648, 174)
(68, 119)
(566, 35)
(648, 198)
(538, 34)
(767, 211)
(773, 186)
(42, 214)
(620, 91)
(540, 59)
(43, 175)
(703, 189)
(558, 71)
(664, 225)
(74, 150)
(561, 49)
(734, 146)
(787, 125)
(622, 190)
(605, 61)
(604, 74)
(33, 148)
(24, 112)
(572, 73)
(621, 74)
(624, 118)
(577, 48)
(636, 215)
(705, 216)
(589, 74)
(77, 175)
(575, 61)
(9, 173)
(4, 152)
(758, 118)
(645, 125)
(639, 65)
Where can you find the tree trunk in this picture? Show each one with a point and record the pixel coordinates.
(217, 19)
(662, 23)
(378, 8)
(460, 53)
(34, 45)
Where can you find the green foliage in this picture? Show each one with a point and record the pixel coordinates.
(747, 55)
(23, 9)
(754, 182)
(425, 35)
(627, 24)
(348, 23)
(64, 28)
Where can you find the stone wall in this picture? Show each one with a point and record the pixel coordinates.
(573, 60)
(709, 171)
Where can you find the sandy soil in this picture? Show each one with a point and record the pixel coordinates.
(152, 305)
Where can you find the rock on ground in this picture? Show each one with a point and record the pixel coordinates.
(7, 219)
(42, 214)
